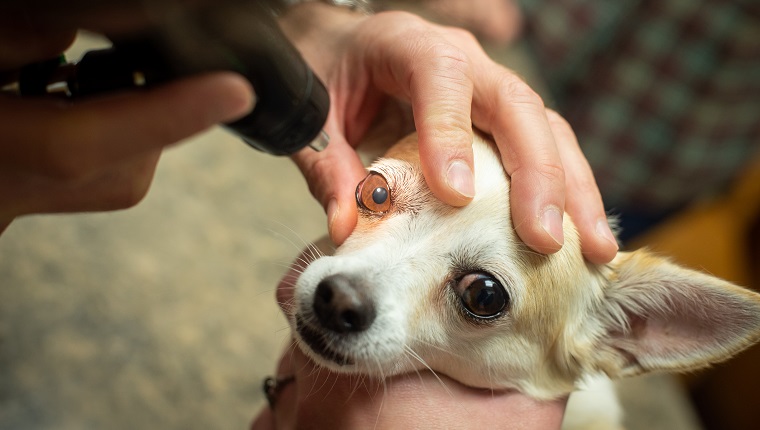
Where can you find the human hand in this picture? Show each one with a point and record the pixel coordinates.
(495, 21)
(99, 153)
(451, 85)
(320, 399)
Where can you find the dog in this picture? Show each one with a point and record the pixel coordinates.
(419, 282)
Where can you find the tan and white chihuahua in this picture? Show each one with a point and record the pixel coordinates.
(420, 284)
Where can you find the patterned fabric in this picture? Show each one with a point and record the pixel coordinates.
(664, 95)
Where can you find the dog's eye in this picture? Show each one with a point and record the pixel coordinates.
(373, 194)
(482, 295)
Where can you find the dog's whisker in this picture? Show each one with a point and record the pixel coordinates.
(424, 363)
(490, 378)
(439, 348)
(280, 330)
(336, 377)
(413, 366)
(315, 375)
(382, 403)
(288, 239)
(287, 303)
(382, 377)
(359, 383)
(314, 251)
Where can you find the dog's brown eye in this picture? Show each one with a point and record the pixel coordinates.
(482, 295)
(373, 193)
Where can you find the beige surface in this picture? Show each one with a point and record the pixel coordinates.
(163, 316)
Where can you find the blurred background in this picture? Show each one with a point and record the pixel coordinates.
(163, 316)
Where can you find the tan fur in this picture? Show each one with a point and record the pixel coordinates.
(566, 319)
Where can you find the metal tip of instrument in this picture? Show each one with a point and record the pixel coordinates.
(320, 143)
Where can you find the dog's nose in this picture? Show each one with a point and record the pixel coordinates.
(342, 307)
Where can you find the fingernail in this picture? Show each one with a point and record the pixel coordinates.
(551, 221)
(603, 230)
(333, 209)
(460, 178)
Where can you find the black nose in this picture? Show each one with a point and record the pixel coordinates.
(342, 306)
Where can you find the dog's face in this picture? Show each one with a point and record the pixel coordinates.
(420, 284)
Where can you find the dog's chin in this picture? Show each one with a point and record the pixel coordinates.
(314, 344)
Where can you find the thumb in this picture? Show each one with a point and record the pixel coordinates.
(332, 176)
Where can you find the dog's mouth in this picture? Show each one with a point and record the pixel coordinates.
(318, 343)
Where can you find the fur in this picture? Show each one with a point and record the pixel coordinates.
(566, 321)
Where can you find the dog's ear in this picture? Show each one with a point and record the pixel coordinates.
(656, 315)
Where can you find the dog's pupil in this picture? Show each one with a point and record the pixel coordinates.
(380, 195)
(484, 297)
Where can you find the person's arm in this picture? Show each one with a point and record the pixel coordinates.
(451, 85)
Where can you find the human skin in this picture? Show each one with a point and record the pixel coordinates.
(451, 85)
(100, 154)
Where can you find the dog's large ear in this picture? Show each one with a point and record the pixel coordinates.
(659, 316)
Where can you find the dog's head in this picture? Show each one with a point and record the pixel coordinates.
(420, 284)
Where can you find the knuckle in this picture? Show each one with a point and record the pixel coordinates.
(449, 57)
(450, 130)
(518, 92)
(451, 138)
(552, 172)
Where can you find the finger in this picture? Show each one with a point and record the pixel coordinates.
(332, 176)
(22, 43)
(402, 399)
(441, 94)
(516, 117)
(584, 202)
(74, 141)
(285, 413)
(264, 421)
(120, 187)
(420, 64)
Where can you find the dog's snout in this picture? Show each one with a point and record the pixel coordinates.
(342, 306)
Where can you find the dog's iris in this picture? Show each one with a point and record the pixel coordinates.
(373, 194)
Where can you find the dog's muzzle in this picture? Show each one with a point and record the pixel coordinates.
(341, 308)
